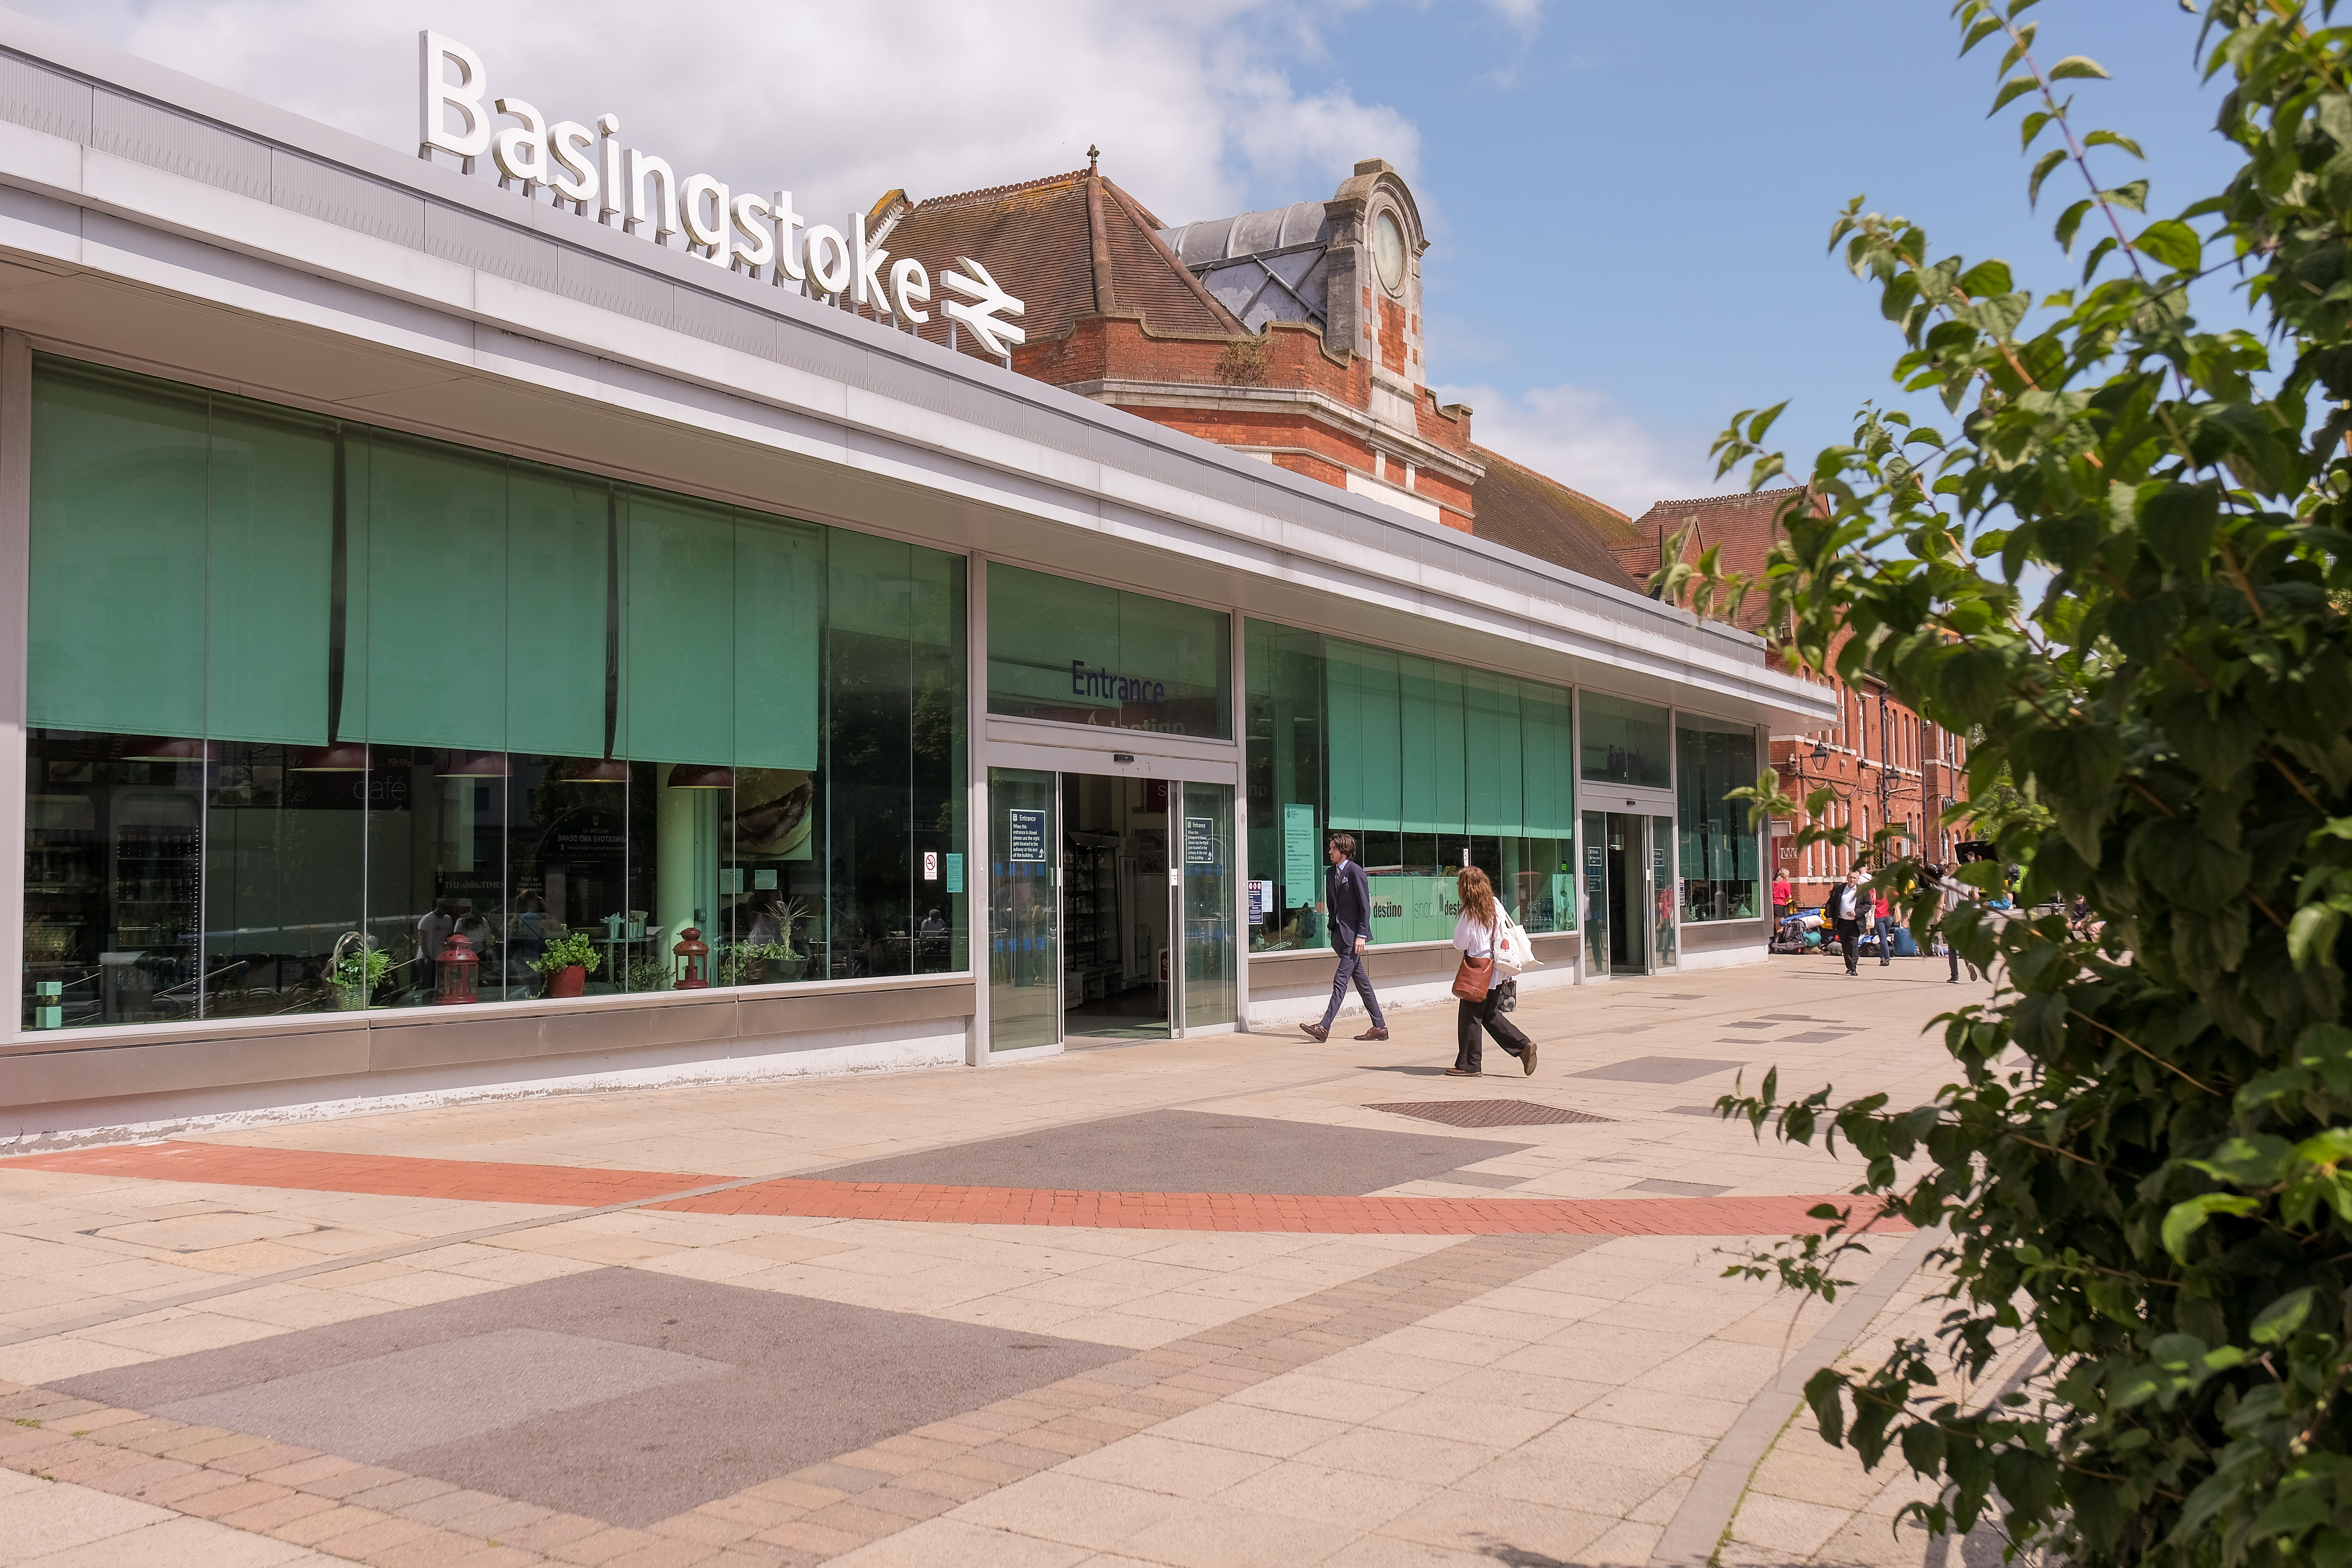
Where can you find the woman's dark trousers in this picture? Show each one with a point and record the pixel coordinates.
(1477, 1016)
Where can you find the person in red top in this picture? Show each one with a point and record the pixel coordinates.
(1783, 905)
(1882, 917)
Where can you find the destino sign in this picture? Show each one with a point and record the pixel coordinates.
(641, 195)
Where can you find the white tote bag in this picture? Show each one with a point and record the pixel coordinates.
(1513, 951)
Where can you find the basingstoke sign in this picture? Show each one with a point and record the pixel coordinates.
(642, 194)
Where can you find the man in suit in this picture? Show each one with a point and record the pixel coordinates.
(1849, 906)
(1347, 900)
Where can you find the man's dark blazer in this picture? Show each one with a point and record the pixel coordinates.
(1348, 896)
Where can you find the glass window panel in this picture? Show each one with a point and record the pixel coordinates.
(272, 589)
(1491, 727)
(116, 615)
(436, 596)
(1431, 757)
(1548, 759)
(1720, 856)
(1208, 957)
(868, 795)
(937, 773)
(1367, 769)
(1083, 653)
(283, 853)
(779, 572)
(1285, 772)
(561, 535)
(1025, 968)
(1623, 742)
(678, 657)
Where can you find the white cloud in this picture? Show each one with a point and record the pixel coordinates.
(837, 103)
(1586, 441)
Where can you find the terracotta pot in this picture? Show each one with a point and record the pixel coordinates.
(567, 981)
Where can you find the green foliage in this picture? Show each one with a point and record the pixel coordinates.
(2120, 567)
(571, 948)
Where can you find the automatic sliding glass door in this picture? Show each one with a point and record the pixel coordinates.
(1023, 925)
(1209, 990)
(1118, 978)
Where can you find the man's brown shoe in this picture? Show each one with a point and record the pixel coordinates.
(1373, 1034)
(1528, 1059)
(1316, 1032)
(1462, 1072)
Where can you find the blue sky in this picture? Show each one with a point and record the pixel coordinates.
(1629, 202)
(1640, 212)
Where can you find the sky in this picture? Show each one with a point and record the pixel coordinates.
(1628, 204)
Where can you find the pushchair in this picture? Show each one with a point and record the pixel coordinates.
(1798, 933)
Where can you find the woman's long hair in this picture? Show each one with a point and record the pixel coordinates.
(1477, 895)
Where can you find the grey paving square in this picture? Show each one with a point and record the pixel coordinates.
(1691, 1111)
(799, 1381)
(1187, 1152)
(1478, 1179)
(381, 1406)
(1816, 1037)
(1659, 1070)
(1751, 1024)
(1677, 1189)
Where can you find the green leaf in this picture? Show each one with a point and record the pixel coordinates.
(2184, 1220)
(2049, 161)
(2109, 138)
(2173, 243)
(2177, 522)
(2281, 1318)
(2070, 220)
(2030, 127)
(2014, 88)
(2076, 66)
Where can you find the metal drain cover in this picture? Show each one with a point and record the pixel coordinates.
(1487, 1112)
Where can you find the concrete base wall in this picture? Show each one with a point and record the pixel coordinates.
(1719, 943)
(127, 1085)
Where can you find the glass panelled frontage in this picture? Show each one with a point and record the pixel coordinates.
(1431, 766)
(1625, 743)
(1078, 653)
(324, 716)
(1210, 956)
(1719, 855)
(1024, 969)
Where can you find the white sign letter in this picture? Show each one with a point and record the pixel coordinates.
(987, 298)
(826, 255)
(788, 245)
(437, 92)
(910, 290)
(608, 131)
(754, 243)
(866, 260)
(572, 160)
(520, 150)
(692, 196)
(662, 215)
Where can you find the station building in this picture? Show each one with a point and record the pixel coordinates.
(462, 642)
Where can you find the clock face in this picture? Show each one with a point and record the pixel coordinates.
(1388, 251)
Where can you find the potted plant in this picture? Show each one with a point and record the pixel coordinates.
(762, 964)
(567, 964)
(355, 969)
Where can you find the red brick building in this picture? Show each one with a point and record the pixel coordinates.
(1886, 763)
(1295, 336)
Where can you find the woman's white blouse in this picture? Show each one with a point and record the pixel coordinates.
(1475, 941)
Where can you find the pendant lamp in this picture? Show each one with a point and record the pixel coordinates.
(156, 749)
(588, 770)
(343, 757)
(472, 765)
(701, 775)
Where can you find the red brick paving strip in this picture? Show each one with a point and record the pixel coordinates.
(568, 1186)
(389, 1520)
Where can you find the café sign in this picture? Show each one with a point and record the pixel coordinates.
(641, 195)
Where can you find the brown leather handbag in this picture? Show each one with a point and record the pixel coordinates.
(1471, 981)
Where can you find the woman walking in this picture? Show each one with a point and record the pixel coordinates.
(1473, 935)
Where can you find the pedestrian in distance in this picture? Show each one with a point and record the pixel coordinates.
(1882, 916)
(1348, 902)
(1849, 906)
(1477, 1017)
(1784, 904)
(1950, 900)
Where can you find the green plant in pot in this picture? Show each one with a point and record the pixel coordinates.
(762, 963)
(355, 969)
(567, 964)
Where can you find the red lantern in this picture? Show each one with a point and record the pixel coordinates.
(689, 952)
(454, 972)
